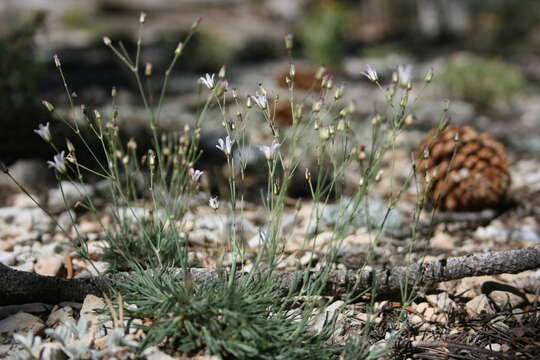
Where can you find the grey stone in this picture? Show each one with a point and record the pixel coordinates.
(60, 316)
(49, 265)
(30, 219)
(7, 258)
(72, 193)
(153, 353)
(21, 323)
(6, 311)
(32, 174)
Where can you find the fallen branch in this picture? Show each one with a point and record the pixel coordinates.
(18, 287)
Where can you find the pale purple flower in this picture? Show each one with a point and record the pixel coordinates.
(269, 151)
(225, 146)
(213, 203)
(260, 100)
(195, 174)
(59, 163)
(44, 132)
(405, 73)
(371, 73)
(208, 80)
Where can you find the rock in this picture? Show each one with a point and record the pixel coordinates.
(27, 266)
(50, 265)
(153, 353)
(479, 305)
(22, 201)
(72, 193)
(6, 311)
(7, 350)
(494, 347)
(7, 258)
(90, 304)
(60, 316)
(28, 219)
(505, 300)
(443, 241)
(32, 174)
(21, 323)
(442, 301)
(326, 316)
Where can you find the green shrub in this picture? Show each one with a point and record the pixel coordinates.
(483, 82)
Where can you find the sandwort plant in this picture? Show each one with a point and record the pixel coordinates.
(247, 316)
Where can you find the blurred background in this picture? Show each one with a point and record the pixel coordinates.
(485, 55)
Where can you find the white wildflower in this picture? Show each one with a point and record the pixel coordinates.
(225, 146)
(59, 162)
(405, 73)
(213, 203)
(269, 151)
(260, 100)
(208, 80)
(44, 132)
(371, 73)
(195, 174)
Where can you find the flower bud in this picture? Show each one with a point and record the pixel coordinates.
(222, 71)
(48, 105)
(179, 49)
(142, 18)
(320, 73)
(107, 41)
(289, 41)
(148, 69)
(196, 23)
(429, 76)
(56, 61)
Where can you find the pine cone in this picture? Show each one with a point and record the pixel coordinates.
(468, 170)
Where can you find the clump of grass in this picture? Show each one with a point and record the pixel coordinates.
(242, 320)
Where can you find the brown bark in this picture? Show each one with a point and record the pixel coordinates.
(17, 287)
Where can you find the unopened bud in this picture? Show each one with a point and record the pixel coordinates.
(446, 105)
(179, 49)
(56, 61)
(222, 71)
(292, 71)
(132, 145)
(320, 73)
(379, 175)
(339, 92)
(404, 100)
(325, 133)
(107, 41)
(70, 146)
(248, 102)
(148, 69)
(307, 174)
(409, 119)
(196, 23)
(429, 76)
(48, 105)
(289, 41)
(395, 77)
(298, 112)
(142, 18)
(317, 105)
(113, 91)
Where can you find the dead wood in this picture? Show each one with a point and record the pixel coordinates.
(18, 287)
